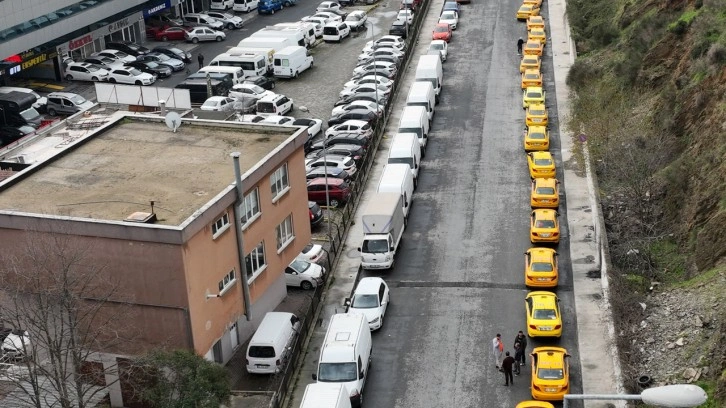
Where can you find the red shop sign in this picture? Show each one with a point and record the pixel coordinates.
(79, 42)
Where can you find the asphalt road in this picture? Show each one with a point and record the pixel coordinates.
(458, 279)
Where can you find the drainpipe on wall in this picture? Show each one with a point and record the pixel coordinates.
(238, 226)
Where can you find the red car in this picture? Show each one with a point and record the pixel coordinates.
(442, 31)
(338, 190)
(170, 34)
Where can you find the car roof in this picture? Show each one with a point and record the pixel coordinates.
(542, 155)
(545, 213)
(369, 286)
(540, 253)
(321, 180)
(545, 182)
(549, 355)
(542, 297)
(62, 94)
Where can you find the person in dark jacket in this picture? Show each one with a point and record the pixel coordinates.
(518, 356)
(520, 43)
(521, 338)
(507, 364)
(200, 58)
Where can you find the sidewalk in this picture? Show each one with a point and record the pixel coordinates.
(596, 344)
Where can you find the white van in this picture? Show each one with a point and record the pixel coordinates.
(429, 69)
(266, 52)
(250, 64)
(40, 103)
(335, 31)
(291, 61)
(276, 43)
(272, 344)
(422, 94)
(245, 5)
(414, 119)
(406, 149)
(238, 74)
(307, 28)
(274, 105)
(325, 395)
(280, 32)
(397, 178)
(346, 354)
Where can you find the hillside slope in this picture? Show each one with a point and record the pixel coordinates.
(649, 90)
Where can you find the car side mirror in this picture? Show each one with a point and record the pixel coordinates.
(391, 248)
(360, 249)
(346, 302)
(361, 375)
(384, 303)
(315, 377)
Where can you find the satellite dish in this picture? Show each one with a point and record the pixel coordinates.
(173, 121)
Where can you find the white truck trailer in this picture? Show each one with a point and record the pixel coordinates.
(383, 225)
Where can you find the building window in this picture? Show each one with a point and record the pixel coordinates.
(255, 262)
(285, 234)
(220, 225)
(250, 207)
(226, 283)
(279, 183)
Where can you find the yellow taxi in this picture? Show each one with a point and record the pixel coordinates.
(541, 165)
(533, 95)
(536, 138)
(537, 3)
(545, 193)
(540, 268)
(543, 314)
(550, 373)
(533, 47)
(535, 21)
(531, 77)
(544, 227)
(534, 404)
(530, 62)
(536, 115)
(527, 10)
(537, 33)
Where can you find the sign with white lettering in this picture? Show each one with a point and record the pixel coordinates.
(157, 8)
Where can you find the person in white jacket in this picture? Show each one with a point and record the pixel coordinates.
(498, 350)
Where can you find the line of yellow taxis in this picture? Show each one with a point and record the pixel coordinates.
(550, 365)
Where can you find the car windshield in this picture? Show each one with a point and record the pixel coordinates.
(531, 76)
(93, 67)
(300, 266)
(534, 95)
(77, 99)
(544, 224)
(255, 89)
(543, 162)
(441, 29)
(265, 107)
(530, 60)
(212, 102)
(364, 301)
(448, 15)
(536, 135)
(545, 314)
(29, 114)
(352, 18)
(134, 71)
(437, 47)
(337, 372)
(550, 374)
(545, 190)
(121, 54)
(162, 57)
(375, 246)
(152, 64)
(176, 50)
(537, 112)
(541, 267)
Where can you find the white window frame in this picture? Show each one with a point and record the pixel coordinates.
(250, 207)
(220, 225)
(227, 283)
(279, 183)
(284, 234)
(261, 267)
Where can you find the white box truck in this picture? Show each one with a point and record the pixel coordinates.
(397, 178)
(276, 43)
(383, 225)
(325, 395)
(429, 69)
(280, 32)
(291, 61)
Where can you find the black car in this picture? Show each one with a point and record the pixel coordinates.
(174, 52)
(9, 134)
(161, 71)
(128, 47)
(316, 213)
(344, 139)
(261, 81)
(399, 28)
(363, 96)
(333, 172)
(357, 114)
(356, 152)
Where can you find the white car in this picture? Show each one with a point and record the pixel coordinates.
(220, 5)
(360, 127)
(16, 345)
(219, 104)
(367, 105)
(277, 120)
(330, 16)
(229, 20)
(449, 17)
(84, 71)
(312, 253)
(379, 64)
(369, 79)
(405, 15)
(356, 19)
(244, 91)
(329, 5)
(382, 90)
(440, 47)
(130, 76)
(197, 34)
(334, 161)
(381, 52)
(115, 55)
(317, 19)
(391, 41)
(105, 62)
(250, 118)
(371, 298)
(303, 274)
(318, 25)
(314, 126)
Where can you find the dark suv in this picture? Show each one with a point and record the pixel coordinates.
(399, 28)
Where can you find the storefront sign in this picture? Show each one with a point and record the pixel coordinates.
(157, 8)
(123, 23)
(31, 59)
(80, 42)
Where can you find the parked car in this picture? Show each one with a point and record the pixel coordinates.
(550, 373)
(379, 65)
(246, 91)
(115, 55)
(328, 6)
(263, 82)
(220, 5)
(356, 19)
(442, 31)
(338, 191)
(316, 216)
(351, 126)
(163, 59)
(312, 253)
(383, 58)
(381, 51)
(84, 71)
(130, 76)
(391, 41)
(104, 62)
(161, 71)
(452, 5)
(334, 161)
(380, 99)
(303, 274)
(230, 21)
(366, 88)
(370, 298)
(449, 17)
(439, 47)
(332, 17)
(400, 28)
(368, 105)
(314, 125)
(171, 34)
(333, 172)
(219, 104)
(405, 15)
(358, 114)
(128, 47)
(343, 138)
(369, 79)
(204, 34)
(355, 152)
(277, 120)
(540, 268)
(174, 52)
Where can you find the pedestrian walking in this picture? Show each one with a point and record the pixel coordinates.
(498, 349)
(522, 340)
(507, 364)
(518, 355)
(200, 58)
(520, 43)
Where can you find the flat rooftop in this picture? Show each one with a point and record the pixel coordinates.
(118, 171)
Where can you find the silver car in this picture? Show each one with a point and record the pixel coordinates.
(163, 59)
(229, 20)
(204, 34)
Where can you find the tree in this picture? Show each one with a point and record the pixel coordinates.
(60, 305)
(182, 379)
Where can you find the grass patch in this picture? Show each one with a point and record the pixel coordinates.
(710, 388)
(702, 278)
(670, 262)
